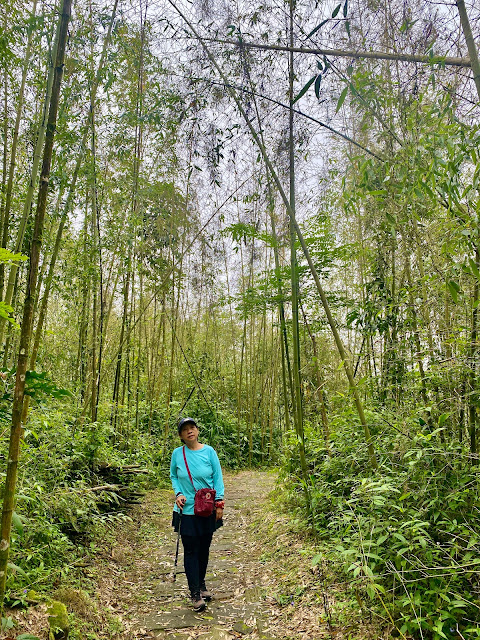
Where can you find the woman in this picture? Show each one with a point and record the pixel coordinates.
(196, 531)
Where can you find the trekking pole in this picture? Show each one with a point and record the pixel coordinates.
(178, 544)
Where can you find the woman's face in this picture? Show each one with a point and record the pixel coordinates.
(189, 433)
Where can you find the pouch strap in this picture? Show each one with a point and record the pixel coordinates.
(186, 464)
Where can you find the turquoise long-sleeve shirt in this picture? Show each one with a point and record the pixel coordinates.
(206, 473)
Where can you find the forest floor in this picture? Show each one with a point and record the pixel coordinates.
(260, 571)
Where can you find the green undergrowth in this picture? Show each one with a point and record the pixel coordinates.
(406, 539)
(85, 618)
(65, 500)
(305, 584)
(61, 507)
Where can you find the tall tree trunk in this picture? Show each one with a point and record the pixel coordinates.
(27, 322)
(472, 383)
(273, 392)
(10, 342)
(320, 385)
(93, 259)
(474, 61)
(82, 342)
(416, 334)
(5, 140)
(93, 362)
(69, 200)
(123, 329)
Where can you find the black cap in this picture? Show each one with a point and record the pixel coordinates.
(183, 422)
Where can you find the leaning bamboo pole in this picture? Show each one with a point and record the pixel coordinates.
(351, 53)
(27, 205)
(472, 49)
(472, 349)
(27, 322)
(331, 321)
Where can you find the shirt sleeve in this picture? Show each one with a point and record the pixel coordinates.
(173, 475)
(217, 476)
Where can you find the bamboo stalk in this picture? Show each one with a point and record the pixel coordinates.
(475, 64)
(27, 322)
(349, 53)
(5, 140)
(285, 356)
(472, 49)
(68, 203)
(6, 205)
(13, 153)
(297, 382)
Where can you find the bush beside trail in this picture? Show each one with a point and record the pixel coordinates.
(407, 537)
(77, 481)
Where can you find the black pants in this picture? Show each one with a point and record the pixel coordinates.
(195, 552)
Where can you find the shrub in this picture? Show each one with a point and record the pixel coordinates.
(406, 536)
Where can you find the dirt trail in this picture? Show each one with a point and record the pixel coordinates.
(260, 571)
(136, 583)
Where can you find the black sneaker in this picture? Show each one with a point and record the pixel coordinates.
(198, 602)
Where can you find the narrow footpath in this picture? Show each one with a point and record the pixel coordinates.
(259, 570)
(141, 568)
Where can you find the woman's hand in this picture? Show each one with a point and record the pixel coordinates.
(219, 513)
(180, 500)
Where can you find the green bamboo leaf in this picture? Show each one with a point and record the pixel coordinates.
(336, 10)
(317, 28)
(454, 289)
(305, 89)
(391, 219)
(5, 312)
(442, 419)
(16, 568)
(9, 257)
(341, 99)
(474, 268)
(17, 522)
(318, 82)
(27, 636)
(345, 9)
(347, 27)
(317, 559)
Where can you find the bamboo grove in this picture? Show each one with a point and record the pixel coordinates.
(267, 217)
